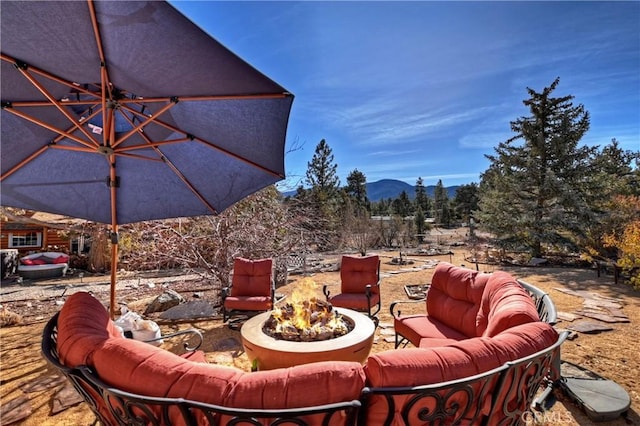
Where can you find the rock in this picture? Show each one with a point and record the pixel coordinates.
(189, 310)
(168, 299)
(15, 410)
(589, 327)
(66, 397)
(42, 383)
(228, 344)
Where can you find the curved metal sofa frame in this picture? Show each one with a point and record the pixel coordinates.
(439, 404)
(544, 304)
(128, 408)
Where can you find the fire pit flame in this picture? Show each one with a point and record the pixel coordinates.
(306, 318)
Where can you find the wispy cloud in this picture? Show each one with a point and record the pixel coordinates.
(408, 89)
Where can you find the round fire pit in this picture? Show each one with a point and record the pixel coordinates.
(270, 353)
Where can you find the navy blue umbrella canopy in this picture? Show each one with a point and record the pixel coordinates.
(122, 111)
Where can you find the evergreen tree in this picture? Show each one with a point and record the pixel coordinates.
(466, 201)
(324, 194)
(322, 172)
(357, 189)
(422, 199)
(419, 221)
(539, 191)
(402, 205)
(442, 211)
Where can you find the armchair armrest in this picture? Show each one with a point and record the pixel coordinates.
(396, 302)
(325, 291)
(191, 331)
(225, 292)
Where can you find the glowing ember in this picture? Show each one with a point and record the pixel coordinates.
(306, 318)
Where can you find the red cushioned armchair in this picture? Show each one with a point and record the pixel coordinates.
(252, 288)
(359, 285)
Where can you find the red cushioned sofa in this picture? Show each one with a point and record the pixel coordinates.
(96, 357)
(481, 354)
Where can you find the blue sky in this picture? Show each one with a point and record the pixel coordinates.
(402, 90)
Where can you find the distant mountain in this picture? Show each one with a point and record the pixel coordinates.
(391, 188)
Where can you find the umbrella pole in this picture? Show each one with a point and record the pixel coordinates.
(114, 270)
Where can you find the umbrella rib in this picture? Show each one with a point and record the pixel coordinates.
(54, 102)
(87, 118)
(138, 157)
(48, 126)
(47, 103)
(23, 162)
(181, 176)
(36, 70)
(209, 144)
(152, 145)
(149, 120)
(96, 30)
(209, 98)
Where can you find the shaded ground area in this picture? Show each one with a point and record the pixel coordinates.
(28, 382)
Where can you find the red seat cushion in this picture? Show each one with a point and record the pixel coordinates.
(248, 303)
(61, 259)
(419, 327)
(355, 301)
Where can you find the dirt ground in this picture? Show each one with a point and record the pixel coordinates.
(613, 354)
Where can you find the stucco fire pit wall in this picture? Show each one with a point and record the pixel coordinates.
(272, 353)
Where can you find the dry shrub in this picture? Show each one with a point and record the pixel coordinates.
(9, 318)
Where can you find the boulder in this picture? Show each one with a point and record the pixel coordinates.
(168, 299)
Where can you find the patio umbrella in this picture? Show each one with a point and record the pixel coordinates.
(126, 111)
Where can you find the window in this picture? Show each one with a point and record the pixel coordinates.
(32, 239)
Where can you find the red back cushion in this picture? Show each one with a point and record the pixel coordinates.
(251, 277)
(83, 325)
(148, 370)
(504, 304)
(333, 381)
(454, 297)
(358, 272)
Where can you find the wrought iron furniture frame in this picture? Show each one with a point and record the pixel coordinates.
(503, 385)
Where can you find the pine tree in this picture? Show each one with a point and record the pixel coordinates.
(402, 205)
(324, 194)
(538, 192)
(466, 201)
(422, 199)
(322, 172)
(442, 211)
(357, 189)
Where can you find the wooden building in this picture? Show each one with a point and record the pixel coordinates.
(39, 232)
